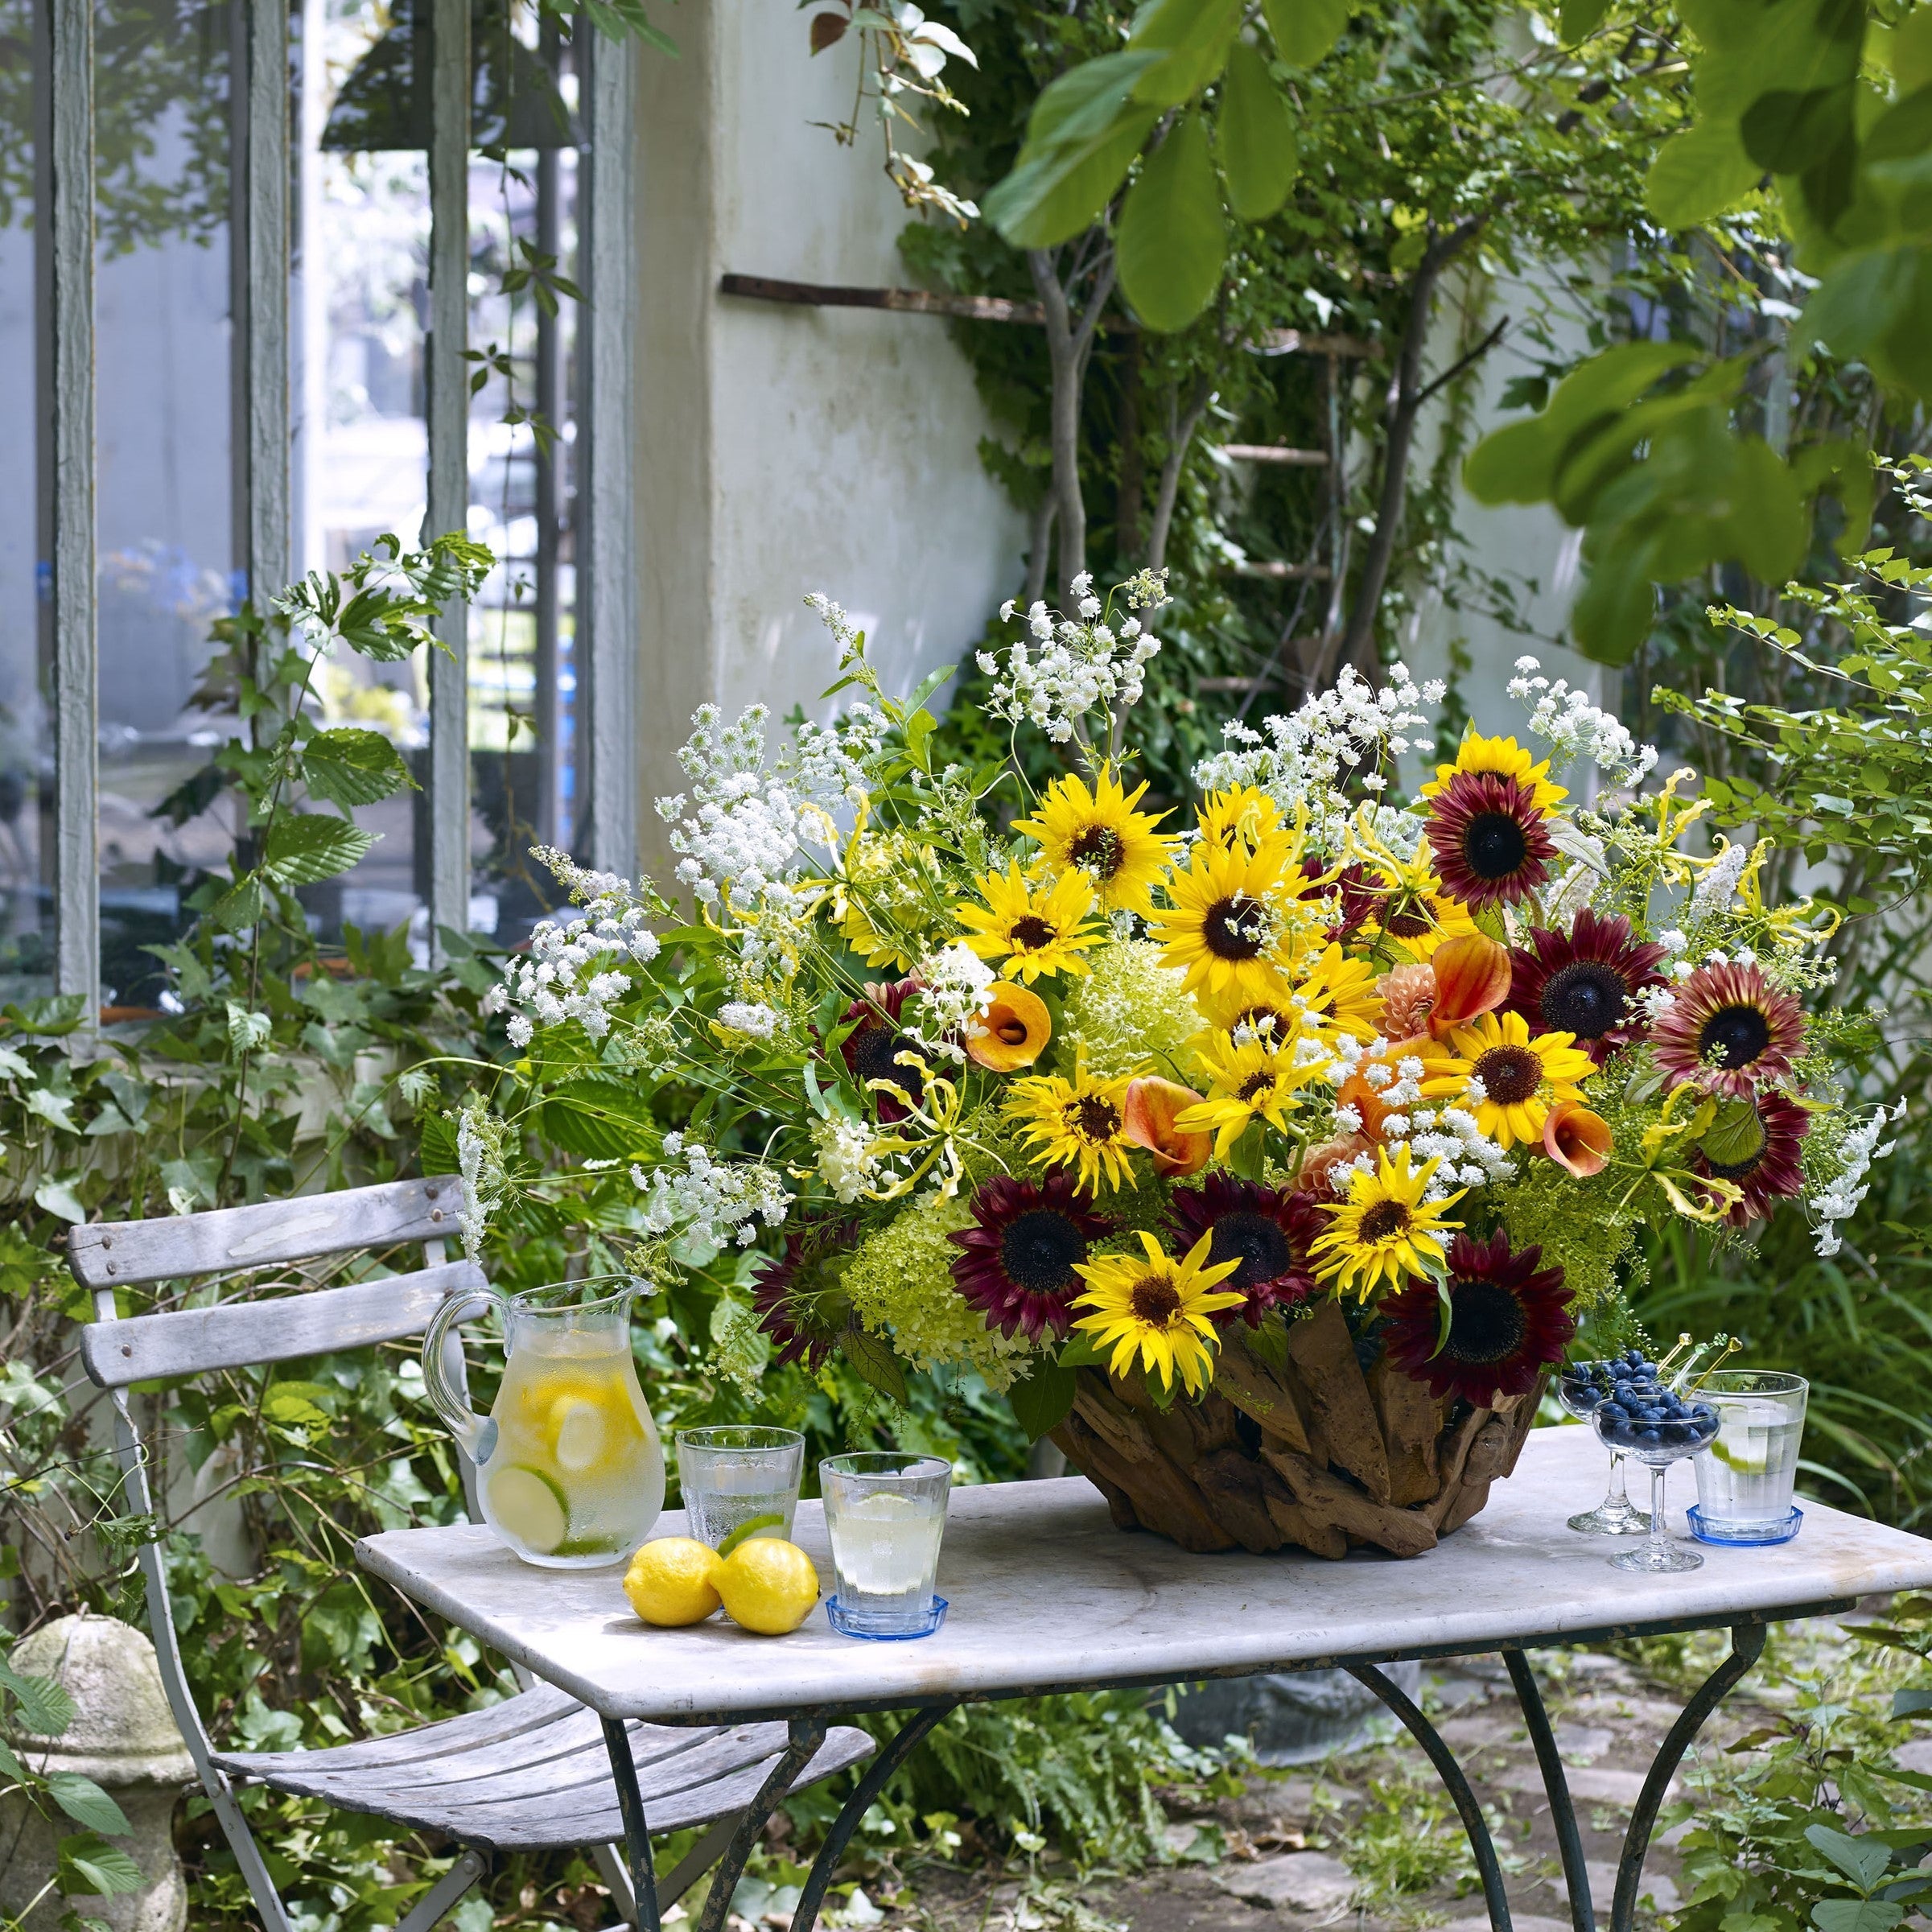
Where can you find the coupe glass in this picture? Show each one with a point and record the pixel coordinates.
(1617, 1515)
(1657, 1554)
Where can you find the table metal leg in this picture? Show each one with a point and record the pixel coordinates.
(806, 1735)
(1562, 1813)
(1451, 1773)
(912, 1734)
(636, 1833)
(1746, 1647)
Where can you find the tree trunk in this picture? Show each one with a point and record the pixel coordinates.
(1128, 507)
(1180, 440)
(1406, 394)
(1070, 343)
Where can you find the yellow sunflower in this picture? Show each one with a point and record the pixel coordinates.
(1522, 1076)
(1034, 928)
(1406, 907)
(1339, 991)
(1080, 1123)
(1236, 925)
(1250, 1080)
(1100, 835)
(1241, 818)
(1506, 758)
(1157, 1308)
(1383, 1229)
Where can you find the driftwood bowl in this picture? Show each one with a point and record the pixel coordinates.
(1315, 1453)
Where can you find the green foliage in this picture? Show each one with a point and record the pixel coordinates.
(1171, 246)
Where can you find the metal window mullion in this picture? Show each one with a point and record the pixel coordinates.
(258, 240)
(607, 605)
(549, 458)
(69, 415)
(447, 395)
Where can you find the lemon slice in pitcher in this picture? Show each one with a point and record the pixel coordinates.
(582, 1432)
(528, 1506)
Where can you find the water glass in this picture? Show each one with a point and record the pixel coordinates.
(885, 1513)
(1744, 1478)
(739, 1479)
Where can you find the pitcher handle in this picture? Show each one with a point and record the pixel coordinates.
(475, 1434)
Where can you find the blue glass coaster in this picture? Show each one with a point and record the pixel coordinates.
(1747, 1536)
(842, 1620)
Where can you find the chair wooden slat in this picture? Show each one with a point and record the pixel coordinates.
(233, 1335)
(120, 1253)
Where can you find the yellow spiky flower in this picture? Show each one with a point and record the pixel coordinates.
(1099, 834)
(1505, 759)
(1383, 1230)
(1522, 1076)
(1036, 928)
(1157, 1308)
(1236, 925)
(1250, 1080)
(1243, 818)
(1079, 1123)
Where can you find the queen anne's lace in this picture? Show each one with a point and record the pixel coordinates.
(706, 1200)
(1574, 727)
(1839, 1201)
(1073, 667)
(574, 970)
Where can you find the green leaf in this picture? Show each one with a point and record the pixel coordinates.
(1171, 244)
(86, 1803)
(871, 1357)
(1043, 1396)
(1193, 36)
(306, 848)
(1305, 30)
(1911, 1702)
(88, 1863)
(1860, 1860)
(1699, 173)
(1855, 1915)
(1255, 138)
(598, 1118)
(1079, 1351)
(350, 767)
(42, 1705)
(1580, 18)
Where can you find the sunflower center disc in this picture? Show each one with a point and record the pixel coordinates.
(1510, 1074)
(1494, 846)
(1095, 1119)
(1586, 998)
(1734, 1037)
(1099, 850)
(1031, 931)
(1154, 1301)
(1407, 921)
(873, 1051)
(1384, 1222)
(1257, 1243)
(1235, 928)
(1038, 1250)
(1486, 1323)
(1254, 1085)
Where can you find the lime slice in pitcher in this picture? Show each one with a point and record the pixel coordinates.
(528, 1506)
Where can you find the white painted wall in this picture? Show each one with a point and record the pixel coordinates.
(788, 450)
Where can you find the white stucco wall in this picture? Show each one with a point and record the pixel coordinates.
(783, 450)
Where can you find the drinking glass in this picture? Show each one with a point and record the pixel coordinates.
(1746, 1478)
(1668, 1442)
(1616, 1515)
(885, 1513)
(739, 1479)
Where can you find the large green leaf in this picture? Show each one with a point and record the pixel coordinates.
(88, 1863)
(597, 1118)
(1255, 137)
(1861, 1859)
(1305, 30)
(1855, 1915)
(1699, 173)
(347, 766)
(306, 848)
(86, 1803)
(42, 1704)
(1042, 1398)
(1193, 36)
(1171, 244)
(872, 1356)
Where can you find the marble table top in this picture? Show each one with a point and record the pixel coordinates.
(1046, 1594)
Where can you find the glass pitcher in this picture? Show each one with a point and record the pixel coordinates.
(569, 1466)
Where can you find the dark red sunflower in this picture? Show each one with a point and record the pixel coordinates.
(1763, 1143)
(797, 1298)
(1267, 1231)
(1585, 983)
(1509, 1320)
(1729, 1031)
(1017, 1263)
(1492, 844)
(872, 1046)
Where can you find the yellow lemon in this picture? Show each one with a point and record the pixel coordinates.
(768, 1586)
(674, 1581)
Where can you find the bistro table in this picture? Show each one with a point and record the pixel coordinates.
(1047, 1595)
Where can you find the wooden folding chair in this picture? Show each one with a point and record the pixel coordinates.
(530, 1774)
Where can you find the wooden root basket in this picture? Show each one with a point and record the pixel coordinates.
(1317, 1454)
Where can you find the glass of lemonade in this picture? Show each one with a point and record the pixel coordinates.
(1744, 1479)
(568, 1467)
(739, 1481)
(885, 1513)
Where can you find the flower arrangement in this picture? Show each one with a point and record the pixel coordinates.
(1263, 1149)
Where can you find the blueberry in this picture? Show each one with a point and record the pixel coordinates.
(1652, 1437)
(1612, 1412)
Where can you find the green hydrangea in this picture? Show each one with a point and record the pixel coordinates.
(900, 1281)
(1130, 1013)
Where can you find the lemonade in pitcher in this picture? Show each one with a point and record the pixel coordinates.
(569, 1464)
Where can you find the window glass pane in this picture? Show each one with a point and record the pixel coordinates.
(26, 777)
(164, 526)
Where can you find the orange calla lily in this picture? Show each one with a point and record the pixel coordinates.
(1577, 1139)
(1147, 1116)
(1013, 1031)
(1473, 976)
